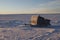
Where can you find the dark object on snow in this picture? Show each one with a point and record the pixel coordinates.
(39, 21)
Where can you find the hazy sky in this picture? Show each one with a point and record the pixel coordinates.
(29, 6)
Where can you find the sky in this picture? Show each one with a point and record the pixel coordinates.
(29, 6)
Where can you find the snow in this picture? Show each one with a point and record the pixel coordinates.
(19, 31)
(29, 33)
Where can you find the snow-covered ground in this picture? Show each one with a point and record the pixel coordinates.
(29, 33)
(12, 28)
